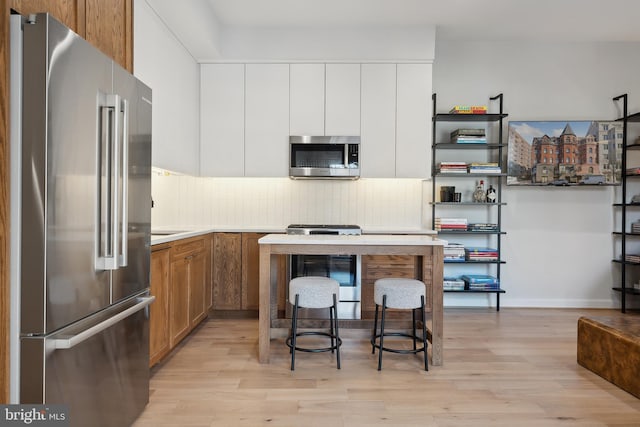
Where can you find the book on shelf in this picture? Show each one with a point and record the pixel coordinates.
(484, 279)
(453, 284)
(453, 167)
(632, 258)
(467, 132)
(633, 171)
(468, 109)
(469, 140)
(476, 226)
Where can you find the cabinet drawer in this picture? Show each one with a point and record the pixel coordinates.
(185, 247)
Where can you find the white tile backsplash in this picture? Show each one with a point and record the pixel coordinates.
(185, 201)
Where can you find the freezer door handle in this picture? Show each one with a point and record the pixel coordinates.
(70, 342)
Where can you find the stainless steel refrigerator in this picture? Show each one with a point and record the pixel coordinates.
(82, 201)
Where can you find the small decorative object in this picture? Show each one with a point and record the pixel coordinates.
(479, 195)
(491, 194)
(635, 199)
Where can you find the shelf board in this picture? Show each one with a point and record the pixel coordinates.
(469, 232)
(468, 203)
(478, 291)
(619, 261)
(619, 233)
(633, 117)
(632, 291)
(475, 262)
(445, 117)
(633, 146)
(472, 146)
(468, 174)
(629, 205)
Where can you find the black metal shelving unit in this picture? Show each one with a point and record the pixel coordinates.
(493, 149)
(625, 206)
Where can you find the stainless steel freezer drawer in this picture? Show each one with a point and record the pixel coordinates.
(106, 375)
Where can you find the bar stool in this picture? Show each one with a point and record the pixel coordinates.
(314, 292)
(399, 294)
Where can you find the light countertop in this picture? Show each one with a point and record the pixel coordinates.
(169, 234)
(365, 239)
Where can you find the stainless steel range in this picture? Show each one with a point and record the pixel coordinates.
(343, 268)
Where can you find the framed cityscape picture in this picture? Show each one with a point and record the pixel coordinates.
(564, 153)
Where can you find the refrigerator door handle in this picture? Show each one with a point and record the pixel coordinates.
(124, 140)
(67, 343)
(107, 241)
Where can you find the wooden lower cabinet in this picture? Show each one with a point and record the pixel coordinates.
(227, 271)
(376, 267)
(251, 271)
(159, 341)
(236, 272)
(181, 283)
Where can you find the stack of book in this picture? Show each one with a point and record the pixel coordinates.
(453, 167)
(480, 282)
(454, 252)
(468, 136)
(481, 254)
(468, 109)
(455, 224)
(632, 258)
(484, 167)
(453, 284)
(633, 171)
(482, 226)
(635, 227)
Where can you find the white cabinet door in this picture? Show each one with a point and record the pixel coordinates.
(413, 123)
(378, 121)
(306, 111)
(266, 120)
(222, 120)
(342, 105)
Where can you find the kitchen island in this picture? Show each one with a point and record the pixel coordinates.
(428, 249)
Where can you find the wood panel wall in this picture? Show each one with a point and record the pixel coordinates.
(4, 202)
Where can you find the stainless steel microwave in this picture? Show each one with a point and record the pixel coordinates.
(324, 157)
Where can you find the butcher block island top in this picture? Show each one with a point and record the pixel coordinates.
(427, 249)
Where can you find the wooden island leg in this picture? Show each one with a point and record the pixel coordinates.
(264, 313)
(437, 310)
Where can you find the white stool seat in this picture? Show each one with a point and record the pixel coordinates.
(313, 291)
(401, 293)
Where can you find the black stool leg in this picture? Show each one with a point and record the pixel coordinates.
(413, 331)
(424, 334)
(331, 330)
(375, 329)
(335, 328)
(384, 309)
(294, 333)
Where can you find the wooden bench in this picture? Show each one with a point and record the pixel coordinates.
(610, 347)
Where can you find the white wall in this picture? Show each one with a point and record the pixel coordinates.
(558, 245)
(174, 76)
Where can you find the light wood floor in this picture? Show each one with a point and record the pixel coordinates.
(515, 368)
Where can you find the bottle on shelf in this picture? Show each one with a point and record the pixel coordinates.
(491, 194)
(479, 195)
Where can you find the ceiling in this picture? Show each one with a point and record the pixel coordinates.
(199, 23)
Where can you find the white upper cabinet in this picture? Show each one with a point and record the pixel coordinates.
(266, 120)
(413, 119)
(222, 120)
(342, 99)
(306, 111)
(378, 121)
